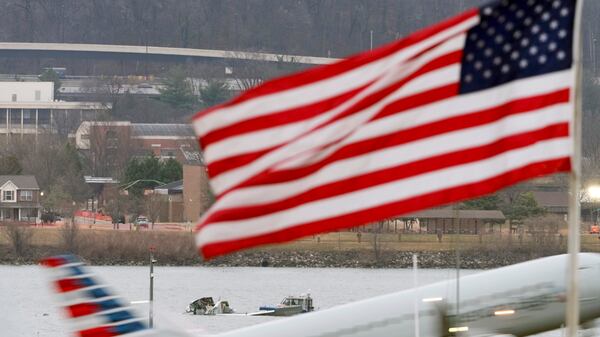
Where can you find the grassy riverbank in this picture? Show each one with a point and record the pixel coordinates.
(344, 249)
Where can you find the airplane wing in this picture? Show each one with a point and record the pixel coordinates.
(90, 306)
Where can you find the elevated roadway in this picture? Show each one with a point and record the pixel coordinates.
(160, 51)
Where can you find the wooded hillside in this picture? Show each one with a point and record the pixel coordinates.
(309, 27)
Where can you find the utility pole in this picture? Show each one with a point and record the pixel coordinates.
(371, 39)
(151, 302)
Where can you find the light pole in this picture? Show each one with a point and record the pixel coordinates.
(151, 300)
(593, 192)
(40, 210)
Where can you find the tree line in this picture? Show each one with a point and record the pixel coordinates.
(312, 27)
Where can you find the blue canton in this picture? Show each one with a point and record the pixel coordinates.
(517, 39)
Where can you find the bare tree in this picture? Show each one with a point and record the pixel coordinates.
(544, 231)
(376, 242)
(118, 206)
(153, 202)
(107, 89)
(65, 122)
(109, 148)
(19, 237)
(28, 10)
(69, 235)
(250, 69)
(44, 160)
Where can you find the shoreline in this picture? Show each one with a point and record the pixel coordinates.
(332, 250)
(280, 258)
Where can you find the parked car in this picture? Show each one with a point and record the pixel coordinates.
(142, 221)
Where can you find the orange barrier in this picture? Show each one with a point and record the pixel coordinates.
(97, 216)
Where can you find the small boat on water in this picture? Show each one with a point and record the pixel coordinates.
(206, 306)
(289, 306)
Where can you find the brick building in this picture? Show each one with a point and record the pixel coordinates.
(106, 144)
(111, 144)
(120, 140)
(196, 194)
(185, 200)
(163, 140)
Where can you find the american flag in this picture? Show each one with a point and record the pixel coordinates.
(455, 111)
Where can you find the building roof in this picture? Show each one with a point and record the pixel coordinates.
(446, 213)
(23, 182)
(192, 157)
(147, 130)
(55, 105)
(172, 187)
(106, 123)
(551, 198)
(100, 180)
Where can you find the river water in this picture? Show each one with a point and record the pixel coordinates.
(27, 305)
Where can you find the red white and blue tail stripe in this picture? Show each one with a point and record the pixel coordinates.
(88, 304)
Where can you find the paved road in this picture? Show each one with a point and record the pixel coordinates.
(102, 224)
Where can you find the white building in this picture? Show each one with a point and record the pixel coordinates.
(30, 108)
(26, 92)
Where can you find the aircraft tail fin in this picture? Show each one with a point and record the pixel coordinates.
(90, 306)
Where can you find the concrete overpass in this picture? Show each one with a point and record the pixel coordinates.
(106, 49)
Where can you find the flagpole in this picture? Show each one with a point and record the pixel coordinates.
(572, 306)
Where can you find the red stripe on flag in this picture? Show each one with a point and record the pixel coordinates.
(218, 167)
(323, 72)
(392, 174)
(392, 209)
